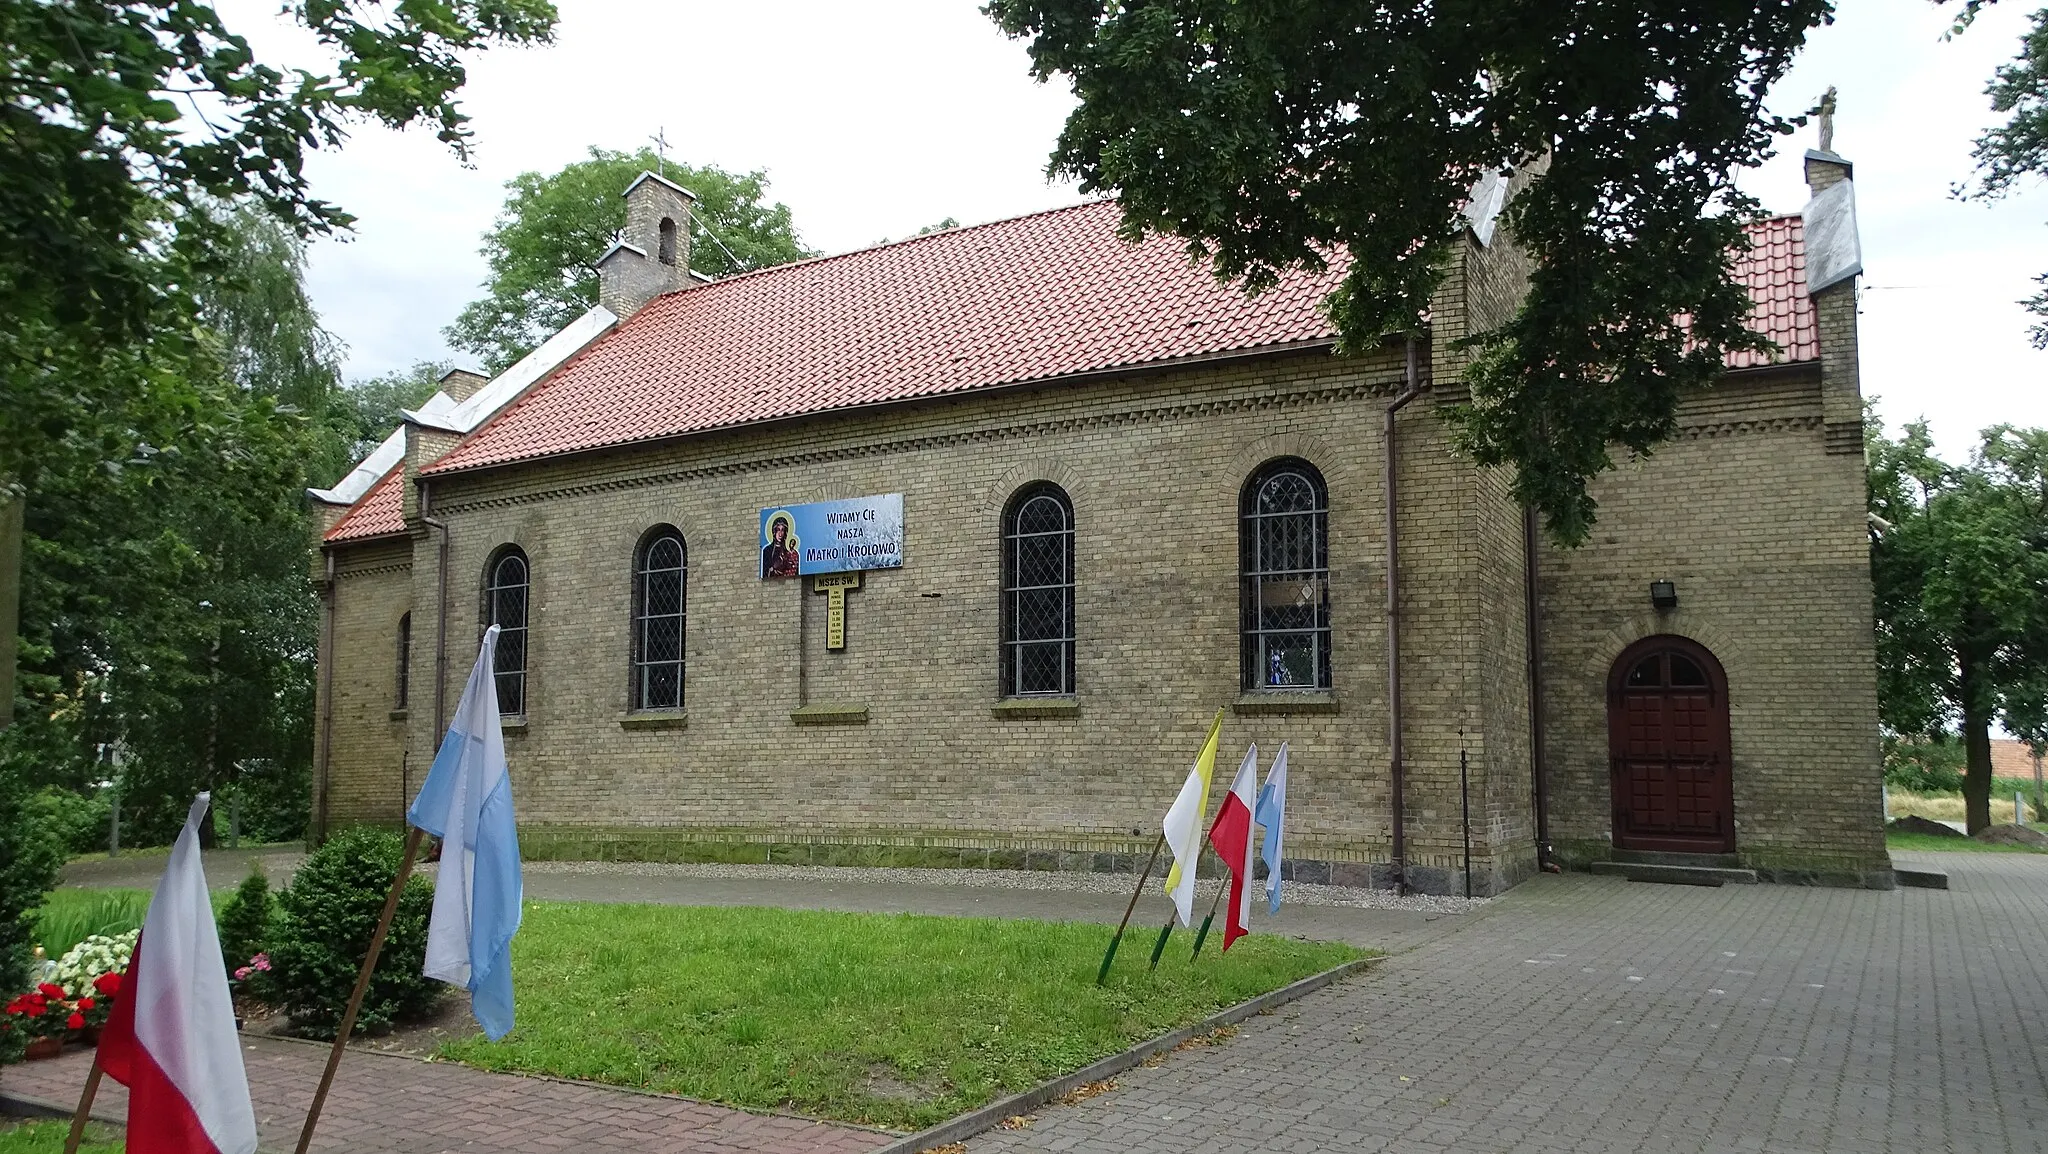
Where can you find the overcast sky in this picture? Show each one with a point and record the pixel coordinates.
(873, 120)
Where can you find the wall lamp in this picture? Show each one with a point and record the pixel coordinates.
(1664, 594)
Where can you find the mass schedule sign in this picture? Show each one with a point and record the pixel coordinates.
(832, 536)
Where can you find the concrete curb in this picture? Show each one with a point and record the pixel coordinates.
(23, 1106)
(975, 1121)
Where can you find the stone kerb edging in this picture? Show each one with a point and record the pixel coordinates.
(975, 1121)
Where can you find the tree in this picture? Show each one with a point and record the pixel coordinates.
(106, 184)
(1960, 572)
(1273, 136)
(2018, 148)
(545, 244)
(125, 125)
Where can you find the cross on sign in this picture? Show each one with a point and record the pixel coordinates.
(835, 586)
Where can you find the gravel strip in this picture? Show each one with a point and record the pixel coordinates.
(1299, 893)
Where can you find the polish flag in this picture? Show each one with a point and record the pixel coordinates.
(171, 1038)
(1232, 837)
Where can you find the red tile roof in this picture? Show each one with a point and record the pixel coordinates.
(1775, 270)
(1033, 298)
(377, 513)
(1026, 299)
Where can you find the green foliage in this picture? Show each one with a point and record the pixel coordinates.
(77, 822)
(1960, 573)
(108, 193)
(881, 1019)
(28, 868)
(245, 920)
(2018, 148)
(1924, 765)
(69, 916)
(322, 932)
(543, 248)
(1273, 135)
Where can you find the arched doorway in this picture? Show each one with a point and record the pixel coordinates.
(1667, 743)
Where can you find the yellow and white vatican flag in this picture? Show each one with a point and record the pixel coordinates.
(1185, 823)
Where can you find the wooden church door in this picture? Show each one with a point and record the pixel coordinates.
(1667, 733)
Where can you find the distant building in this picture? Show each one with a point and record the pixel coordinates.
(1129, 496)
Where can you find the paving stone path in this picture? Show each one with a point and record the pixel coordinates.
(382, 1102)
(1592, 1015)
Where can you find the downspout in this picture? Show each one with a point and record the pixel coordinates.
(1538, 768)
(319, 833)
(440, 614)
(1411, 387)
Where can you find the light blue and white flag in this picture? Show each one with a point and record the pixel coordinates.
(1272, 813)
(466, 801)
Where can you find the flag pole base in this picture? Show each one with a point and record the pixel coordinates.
(1159, 947)
(1202, 936)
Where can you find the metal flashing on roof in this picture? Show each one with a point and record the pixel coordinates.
(645, 176)
(1848, 166)
(1834, 251)
(1483, 205)
(619, 245)
(426, 420)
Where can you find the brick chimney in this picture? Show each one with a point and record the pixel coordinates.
(461, 384)
(652, 255)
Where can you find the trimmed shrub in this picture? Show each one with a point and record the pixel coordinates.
(322, 931)
(29, 857)
(1924, 765)
(245, 920)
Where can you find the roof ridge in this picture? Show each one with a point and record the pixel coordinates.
(827, 258)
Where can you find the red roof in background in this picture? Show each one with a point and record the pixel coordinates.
(1032, 298)
(378, 513)
(1775, 270)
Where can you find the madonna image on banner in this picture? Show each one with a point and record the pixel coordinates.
(779, 550)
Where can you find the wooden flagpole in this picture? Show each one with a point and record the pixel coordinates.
(355, 1000)
(1204, 935)
(1102, 975)
(92, 1088)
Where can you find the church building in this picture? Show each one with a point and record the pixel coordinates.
(948, 551)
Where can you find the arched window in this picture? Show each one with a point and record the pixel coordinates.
(667, 252)
(1038, 593)
(404, 659)
(505, 587)
(660, 572)
(1284, 567)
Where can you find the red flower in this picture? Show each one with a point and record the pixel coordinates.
(34, 1008)
(75, 1022)
(86, 1003)
(50, 991)
(107, 984)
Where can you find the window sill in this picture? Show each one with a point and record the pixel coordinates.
(398, 714)
(830, 715)
(1284, 701)
(1034, 708)
(512, 722)
(655, 719)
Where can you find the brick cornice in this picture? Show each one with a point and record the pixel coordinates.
(1145, 415)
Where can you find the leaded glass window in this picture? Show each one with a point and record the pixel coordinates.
(1038, 593)
(660, 572)
(404, 660)
(1284, 565)
(506, 583)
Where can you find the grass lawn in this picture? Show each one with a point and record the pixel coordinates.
(889, 1020)
(68, 917)
(46, 1136)
(1934, 843)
